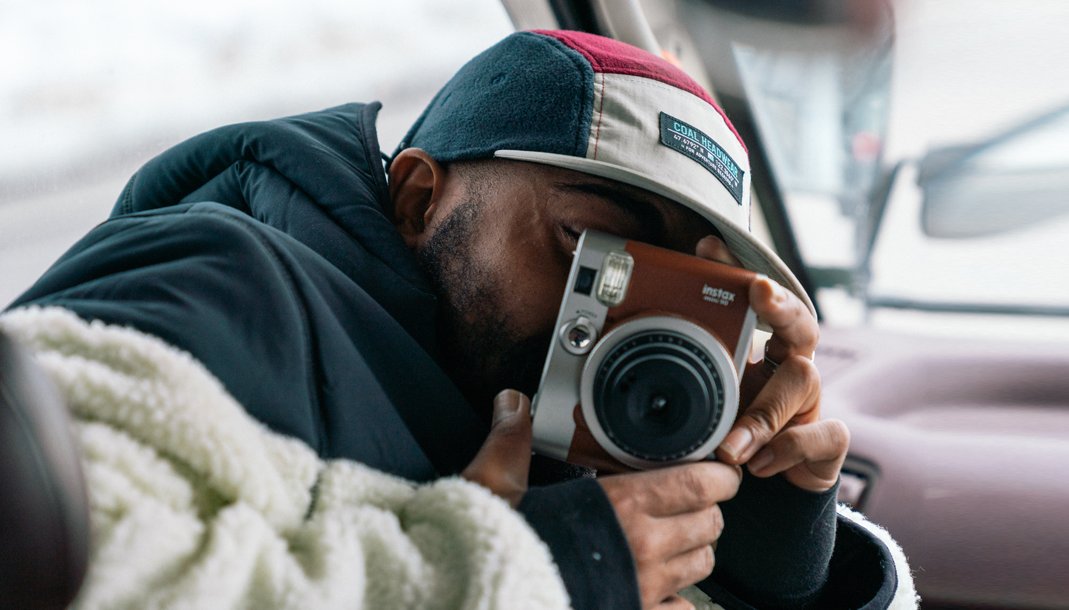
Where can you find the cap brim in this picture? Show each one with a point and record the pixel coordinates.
(753, 254)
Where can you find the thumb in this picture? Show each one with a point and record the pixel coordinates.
(504, 460)
(713, 248)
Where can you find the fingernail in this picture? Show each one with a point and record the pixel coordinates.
(506, 404)
(779, 292)
(762, 459)
(736, 442)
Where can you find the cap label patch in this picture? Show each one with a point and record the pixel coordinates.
(685, 138)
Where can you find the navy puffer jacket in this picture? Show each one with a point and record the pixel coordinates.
(264, 250)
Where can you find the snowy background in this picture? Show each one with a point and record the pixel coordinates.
(91, 90)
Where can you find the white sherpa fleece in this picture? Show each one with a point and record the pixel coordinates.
(194, 504)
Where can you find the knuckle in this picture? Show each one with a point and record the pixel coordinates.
(712, 482)
(621, 495)
(693, 479)
(811, 334)
(716, 521)
(642, 548)
(808, 328)
(509, 430)
(804, 368)
(839, 433)
(790, 442)
(734, 480)
(706, 562)
(764, 422)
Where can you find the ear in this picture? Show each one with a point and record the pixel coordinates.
(417, 183)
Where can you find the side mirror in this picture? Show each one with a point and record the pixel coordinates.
(1016, 179)
(961, 199)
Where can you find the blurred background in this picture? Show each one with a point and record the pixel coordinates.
(90, 91)
(911, 160)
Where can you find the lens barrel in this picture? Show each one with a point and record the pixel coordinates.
(658, 395)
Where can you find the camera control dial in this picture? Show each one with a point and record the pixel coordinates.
(578, 335)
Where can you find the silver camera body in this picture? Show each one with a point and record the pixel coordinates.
(644, 367)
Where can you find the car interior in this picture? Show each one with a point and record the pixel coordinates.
(937, 269)
(958, 438)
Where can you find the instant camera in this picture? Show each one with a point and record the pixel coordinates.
(644, 367)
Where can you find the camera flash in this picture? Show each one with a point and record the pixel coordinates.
(615, 274)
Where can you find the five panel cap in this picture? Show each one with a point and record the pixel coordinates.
(602, 107)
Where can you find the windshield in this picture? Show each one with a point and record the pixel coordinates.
(851, 117)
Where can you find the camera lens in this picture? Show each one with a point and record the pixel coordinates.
(658, 396)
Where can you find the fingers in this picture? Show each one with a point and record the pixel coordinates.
(810, 456)
(670, 518)
(779, 431)
(792, 395)
(689, 568)
(674, 574)
(695, 530)
(661, 576)
(668, 537)
(672, 491)
(674, 603)
(504, 460)
(794, 329)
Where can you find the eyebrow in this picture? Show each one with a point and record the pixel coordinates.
(641, 210)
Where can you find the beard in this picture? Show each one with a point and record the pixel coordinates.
(478, 348)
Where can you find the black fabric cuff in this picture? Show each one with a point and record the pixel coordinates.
(777, 545)
(862, 573)
(577, 522)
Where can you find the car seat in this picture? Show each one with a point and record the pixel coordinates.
(44, 517)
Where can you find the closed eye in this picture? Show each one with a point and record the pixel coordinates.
(648, 219)
(570, 232)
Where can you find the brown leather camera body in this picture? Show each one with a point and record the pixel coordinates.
(665, 283)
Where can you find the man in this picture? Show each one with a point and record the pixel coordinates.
(376, 317)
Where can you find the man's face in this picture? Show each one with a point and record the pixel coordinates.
(499, 253)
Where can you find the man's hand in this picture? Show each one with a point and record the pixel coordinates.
(504, 461)
(669, 516)
(779, 429)
(672, 522)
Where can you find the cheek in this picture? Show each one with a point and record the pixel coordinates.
(532, 283)
(529, 264)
